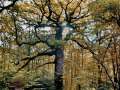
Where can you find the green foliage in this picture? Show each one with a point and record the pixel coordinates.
(55, 43)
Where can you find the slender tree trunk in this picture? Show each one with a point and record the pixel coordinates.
(59, 61)
(118, 77)
(99, 77)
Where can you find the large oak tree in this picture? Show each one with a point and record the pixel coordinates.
(30, 21)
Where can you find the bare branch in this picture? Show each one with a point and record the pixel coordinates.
(47, 52)
(66, 13)
(45, 64)
(43, 41)
(84, 47)
(49, 17)
(29, 59)
(77, 6)
(20, 43)
(95, 56)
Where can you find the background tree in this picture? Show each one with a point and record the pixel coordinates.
(105, 27)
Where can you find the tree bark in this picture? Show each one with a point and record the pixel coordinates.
(59, 62)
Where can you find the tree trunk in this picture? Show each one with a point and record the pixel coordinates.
(118, 77)
(59, 61)
(99, 77)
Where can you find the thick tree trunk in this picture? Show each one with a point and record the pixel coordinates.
(59, 61)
